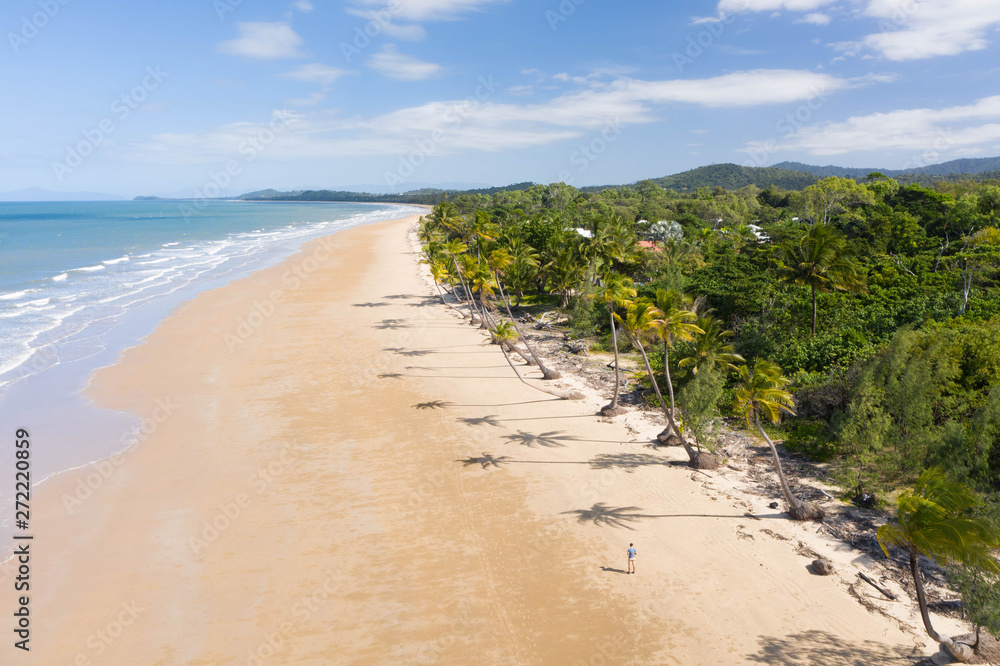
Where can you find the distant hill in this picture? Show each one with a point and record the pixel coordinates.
(971, 166)
(427, 195)
(733, 177)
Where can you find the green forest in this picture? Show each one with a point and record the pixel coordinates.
(874, 305)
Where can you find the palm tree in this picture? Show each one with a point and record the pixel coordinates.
(565, 272)
(618, 290)
(675, 326)
(932, 520)
(762, 391)
(456, 248)
(503, 334)
(641, 317)
(498, 260)
(439, 272)
(711, 347)
(823, 260)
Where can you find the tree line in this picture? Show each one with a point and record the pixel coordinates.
(857, 321)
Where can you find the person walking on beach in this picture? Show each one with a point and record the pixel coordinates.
(631, 558)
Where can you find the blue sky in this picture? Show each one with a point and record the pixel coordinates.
(228, 96)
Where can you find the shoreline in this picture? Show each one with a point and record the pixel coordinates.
(417, 503)
(139, 323)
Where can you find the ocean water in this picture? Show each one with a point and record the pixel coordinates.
(81, 282)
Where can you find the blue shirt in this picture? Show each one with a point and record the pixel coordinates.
(631, 553)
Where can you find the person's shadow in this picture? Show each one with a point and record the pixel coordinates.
(613, 570)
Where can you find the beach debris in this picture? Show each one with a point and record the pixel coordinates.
(878, 587)
(773, 505)
(822, 567)
(576, 347)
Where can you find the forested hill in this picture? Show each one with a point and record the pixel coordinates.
(733, 177)
(981, 166)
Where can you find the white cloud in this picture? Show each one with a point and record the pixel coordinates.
(815, 18)
(390, 62)
(915, 30)
(951, 129)
(316, 73)
(263, 40)
(303, 5)
(485, 125)
(428, 10)
(743, 6)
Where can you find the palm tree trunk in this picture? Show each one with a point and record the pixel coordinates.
(547, 373)
(692, 454)
(814, 310)
(441, 296)
(797, 509)
(960, 651)
(571, 395)
(473, 310)
(614, 340)
(670, 383)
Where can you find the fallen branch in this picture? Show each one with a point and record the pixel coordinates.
(878, 587)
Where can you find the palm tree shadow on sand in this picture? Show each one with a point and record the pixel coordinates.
(486, 461)
(820, 648)
(607, 516)
(551, 439)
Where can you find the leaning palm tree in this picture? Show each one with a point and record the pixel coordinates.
(503, 334)
(676, 325)
(823, 260)
(439, 272)
(642, 317)
(711, 348)
(618, 290)
(497, 262)
(932, 520)
(762, 391)
(455, 249)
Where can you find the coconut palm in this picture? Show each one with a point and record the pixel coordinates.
(642, 317)
(497, 262)
(566, 272)
(503, 334)
(933, 520)
(711, 348)
(823, 260)
(455, 249)
(676, 325)
(439, 272)
(762, 392)
(618, 289)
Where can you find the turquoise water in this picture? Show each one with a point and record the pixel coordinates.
(81, 282)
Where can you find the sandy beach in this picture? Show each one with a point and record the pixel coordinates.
(336, 469)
